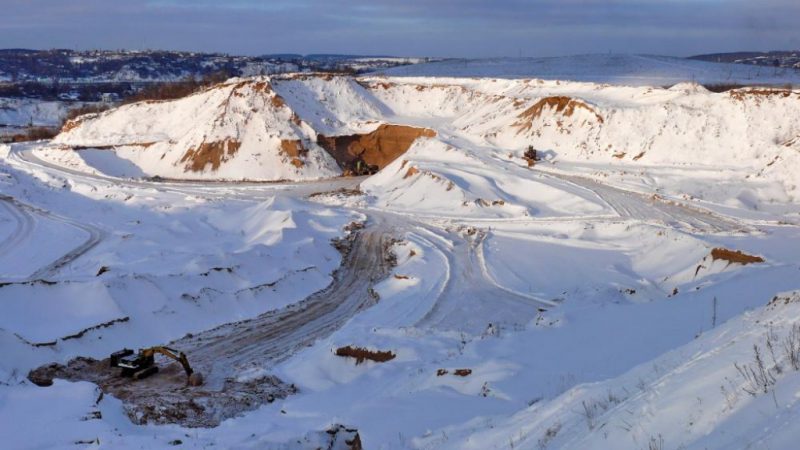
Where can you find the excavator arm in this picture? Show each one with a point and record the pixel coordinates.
(142, 365)
(170, 353)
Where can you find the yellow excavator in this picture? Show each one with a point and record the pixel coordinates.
(142, 364)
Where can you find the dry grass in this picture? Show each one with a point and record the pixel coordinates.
(742, 94)
(175, 90)
(362, 354)
(33, 134)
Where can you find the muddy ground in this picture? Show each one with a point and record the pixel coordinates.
(235, 358)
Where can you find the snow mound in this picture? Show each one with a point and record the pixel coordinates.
(438, 178)
(241, 129)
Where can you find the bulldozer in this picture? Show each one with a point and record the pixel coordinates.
(142, 364)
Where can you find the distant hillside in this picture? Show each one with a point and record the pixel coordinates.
(22, 65)
(780, 59)
(636, 70)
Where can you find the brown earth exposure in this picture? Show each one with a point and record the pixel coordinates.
(378, 148)
(294, 149)
(362, 354)
(565, 106)
(734, 256)
(225, 353)
(742, 94)
(214, 153)
(166, 397)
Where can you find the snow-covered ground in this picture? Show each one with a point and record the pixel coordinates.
(15, 112)
(584, 302)
(624, 69)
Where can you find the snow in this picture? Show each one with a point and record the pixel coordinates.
(583, 283)
(41, 313)
(16, 112)
(624, 69)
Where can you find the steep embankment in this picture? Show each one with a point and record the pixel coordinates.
(736, 147)
(313, 126)
(295, 127)
(241, 129)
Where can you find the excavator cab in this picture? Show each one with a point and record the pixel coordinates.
(142, 364)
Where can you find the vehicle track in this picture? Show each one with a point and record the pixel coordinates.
(462, 304)
(276, 335)
(235, 358)
(24, 214)
(24, 224)
(633, 205)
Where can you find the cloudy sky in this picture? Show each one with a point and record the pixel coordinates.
(461, 28)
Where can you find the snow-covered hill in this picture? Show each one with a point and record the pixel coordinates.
(305, 127)
(238, 130)
(682, 141)
(596, 296)
(634, 70)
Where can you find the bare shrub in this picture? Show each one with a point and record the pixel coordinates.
(86, 109)
(758, 378)
(590, 412)
(549, 434)
(34, 134)
(177, 89)
(594, 408)
(656, 443)
(791, 347)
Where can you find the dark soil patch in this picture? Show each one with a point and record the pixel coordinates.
(166, 397)
(736, 257)
(362, 354)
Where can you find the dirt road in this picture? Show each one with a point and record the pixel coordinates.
(235, 358)
(633, 205)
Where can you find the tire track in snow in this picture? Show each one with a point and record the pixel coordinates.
(24, 214)
(24, 224)
(234, 350)
(471, 300)
(633, 205)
